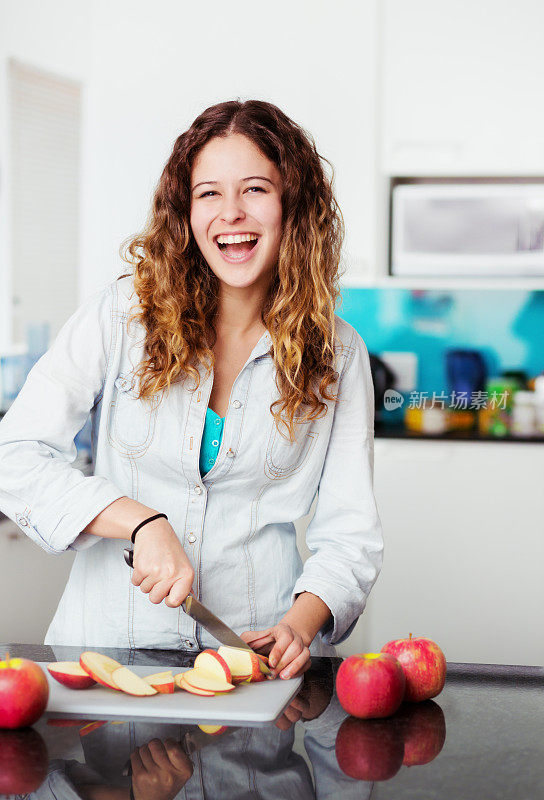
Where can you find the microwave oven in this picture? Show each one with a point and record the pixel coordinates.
(467, 227)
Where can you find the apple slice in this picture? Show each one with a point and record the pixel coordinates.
(70, 674)
(213, 730)
(201, 680)
(241, 679)
(163, 682)
(242, 662)
(99, 667)
(179, 681)
(211, 662)
(131, 683)
(264, 664)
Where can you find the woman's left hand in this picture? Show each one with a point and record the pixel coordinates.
(288, 656)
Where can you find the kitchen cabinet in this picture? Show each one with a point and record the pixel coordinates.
(462, 87)
(464, 548)
(32, 583)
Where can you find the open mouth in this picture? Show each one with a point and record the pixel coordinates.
(238, 251)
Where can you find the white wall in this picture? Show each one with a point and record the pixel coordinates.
(53, 36)
(155, 67)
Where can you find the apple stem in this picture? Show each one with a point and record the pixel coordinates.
(7, 659)
(410, 636)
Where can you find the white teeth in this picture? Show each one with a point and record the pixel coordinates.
(236, 239)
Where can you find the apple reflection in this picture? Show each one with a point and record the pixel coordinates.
(375, 749)
(23, 761)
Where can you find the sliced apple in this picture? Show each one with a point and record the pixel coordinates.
(211, 662)
(213, 730)
(70, 674)
(163, 682)
(179, 681)
(243, 662)
(99, 667)
(131, 683)
(241, 679)
(264, 664)
(201, 680)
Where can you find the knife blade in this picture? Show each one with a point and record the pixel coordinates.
(213, 624)
(218, 629)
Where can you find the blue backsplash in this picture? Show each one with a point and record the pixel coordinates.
(506, 326)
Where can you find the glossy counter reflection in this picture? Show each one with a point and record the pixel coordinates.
(482, 736)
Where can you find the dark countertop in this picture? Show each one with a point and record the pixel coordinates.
(384, 431)
(492, 717)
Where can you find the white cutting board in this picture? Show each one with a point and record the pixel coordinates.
(248, 704)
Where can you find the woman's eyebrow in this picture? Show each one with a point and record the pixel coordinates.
(251, 178)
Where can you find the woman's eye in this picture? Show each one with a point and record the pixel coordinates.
(206, 193)
(259, 188)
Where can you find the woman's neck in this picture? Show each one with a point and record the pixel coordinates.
(239, 312)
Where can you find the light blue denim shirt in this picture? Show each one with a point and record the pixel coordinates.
(236, 523)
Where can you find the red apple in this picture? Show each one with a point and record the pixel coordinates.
(370, 685)
(24, 692)
(424, 728)
(424, 666)
(369, 750)
(23, 761)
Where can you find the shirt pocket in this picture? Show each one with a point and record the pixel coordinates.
(284, 458)
(131, 422)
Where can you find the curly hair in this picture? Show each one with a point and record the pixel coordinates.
(178, 292)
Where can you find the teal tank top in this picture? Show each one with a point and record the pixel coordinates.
(211, 439)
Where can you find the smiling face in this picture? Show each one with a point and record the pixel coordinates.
(236, 190)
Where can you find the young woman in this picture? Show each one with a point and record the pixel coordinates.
(224, 393)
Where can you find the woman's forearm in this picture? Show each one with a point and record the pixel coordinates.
(307, 616)
(118, 520)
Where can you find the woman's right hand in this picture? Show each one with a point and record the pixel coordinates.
(161, 566)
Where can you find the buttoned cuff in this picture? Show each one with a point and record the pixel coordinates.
(343, 621)
(61, 529)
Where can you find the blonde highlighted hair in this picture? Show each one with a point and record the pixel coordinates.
(178, 292)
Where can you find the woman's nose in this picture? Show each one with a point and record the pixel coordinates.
(232, 209)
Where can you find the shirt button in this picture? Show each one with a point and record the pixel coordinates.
(211, 461)
(237, 404)
(215, 443)
(230, 453)
(198, 489)
(218, 422)
(188, 643)
(192, 538)
(24, 523)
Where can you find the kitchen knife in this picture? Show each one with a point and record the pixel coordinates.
(209, 621)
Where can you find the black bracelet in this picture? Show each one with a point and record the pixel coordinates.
(150, 519)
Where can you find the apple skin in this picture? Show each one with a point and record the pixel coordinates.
(424, 666)
(69, 679)
(424, 728)
(24, 692)
(369, 749)
(370, 685)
